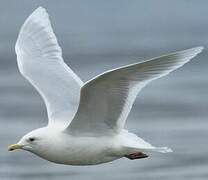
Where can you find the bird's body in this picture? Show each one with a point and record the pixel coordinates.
(73, 150)
(85, 120)
(88, 150)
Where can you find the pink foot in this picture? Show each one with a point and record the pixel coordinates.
(137, 155)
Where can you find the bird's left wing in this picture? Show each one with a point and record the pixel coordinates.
(40, 61)
(107, 99)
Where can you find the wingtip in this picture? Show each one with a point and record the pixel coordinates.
(192, 51)
(197, 49)
(39, 10)
(200, 48)
(39, 14)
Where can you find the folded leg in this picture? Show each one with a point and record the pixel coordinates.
(136, 155)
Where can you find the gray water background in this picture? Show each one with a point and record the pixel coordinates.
(97, 36)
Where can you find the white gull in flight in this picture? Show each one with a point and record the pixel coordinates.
(85, 120)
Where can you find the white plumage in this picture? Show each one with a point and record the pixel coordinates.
(40, 61)
(86, 120)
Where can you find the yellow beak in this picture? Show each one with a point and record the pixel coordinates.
(14, 146)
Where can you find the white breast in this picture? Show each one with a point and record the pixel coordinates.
(71, 150)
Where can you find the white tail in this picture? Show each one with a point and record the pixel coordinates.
(162, 149)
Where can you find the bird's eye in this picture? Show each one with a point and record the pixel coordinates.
(31, 139)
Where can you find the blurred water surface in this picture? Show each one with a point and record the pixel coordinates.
(97, 36)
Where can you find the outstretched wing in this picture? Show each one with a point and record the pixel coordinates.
(107, 99)
(40, 61)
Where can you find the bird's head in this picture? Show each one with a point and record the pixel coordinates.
(31, 141)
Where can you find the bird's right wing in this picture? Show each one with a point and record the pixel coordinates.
(107, 99)
(40, 61)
